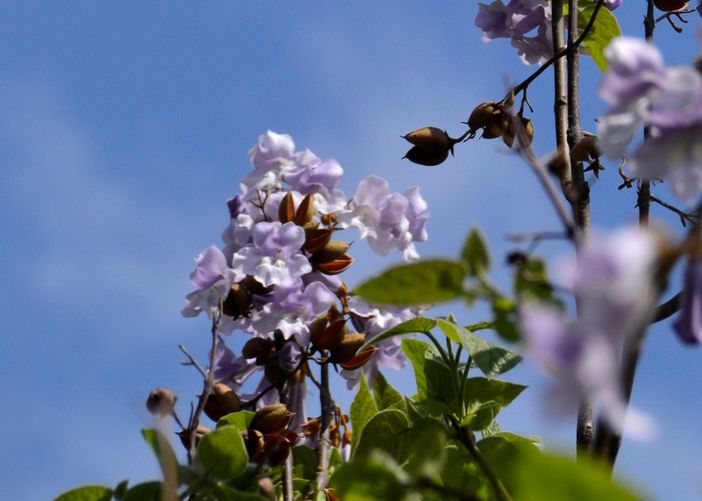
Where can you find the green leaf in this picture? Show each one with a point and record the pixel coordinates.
(387, 397)
(427, 453)
(548, 476)
(374, 478)
(384, 431)
(87, 493)
(415, 351)
(479, 389)
(363, 408)
(475, 253)
(147, 491)
(163, 451)
(441, 385)
(480, 415)
(240, 419)
(605, 29)
(412, 326)
(118, 492)
(527, 445)
(222, 453)
(462, 474)
(424, 282)
(505, 323)
(305, 462)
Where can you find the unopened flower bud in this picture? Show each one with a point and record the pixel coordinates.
(272, 418)
(347, 347)
(161, 401)
(222, 401)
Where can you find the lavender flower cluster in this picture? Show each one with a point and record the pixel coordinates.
(642, 91)
(527, 23)
(276, 276)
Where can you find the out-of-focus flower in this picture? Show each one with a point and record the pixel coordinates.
(642, 91)
(612, 4)
(526, 22)
(612, 282)
(688, 325)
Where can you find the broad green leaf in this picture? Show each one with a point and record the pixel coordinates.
(427, 451)
(424, 282)
(480, 415)
(118, 492)
(504, 457)
(479, 326)
(491, 359)
(363, 408)
(441, 385)
(384, 431)
(335, 459)
(163, 451)
(387, 397)
(222, 453)
(505, 322)
(147, 491)
(531, 281)
(412, 326)
(240, 419)
(374, 478)
(479, 389)
(305, 462)
(415, 351)
(527, 445)
(548, 476)
(224, 492)
(475, 253)
(462, 474)
(605, 29)
(87, 493)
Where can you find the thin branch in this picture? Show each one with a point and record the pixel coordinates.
(322, 445)
(192, 360)
(668, 308)
(685, 217)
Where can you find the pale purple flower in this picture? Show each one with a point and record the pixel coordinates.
(612, 4)
(526, 22)
(388, 220)
(642, 91)
(311, 174)
(213, 279)
(688, 325)
(275, 255)
(272, 155)
(612, 282)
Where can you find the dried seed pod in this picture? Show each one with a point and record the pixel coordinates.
(259, 348)
(359, 359)
(528, 129)
(317, 327)
(254, 441)
(311, 427)
(332, 334)
(238, 302)
(331, 251)
(429, 138)
(222, 401)
(345, 349)
(335, 266)
(200, 432)
(497, 125)
(161, 401)
(273, 418)
(585, 149)
(670, 5)
(286, 209)
(305, 211)
(276, 449)
(254, 286)
(481, 116)
(316, 239)
(426, 157)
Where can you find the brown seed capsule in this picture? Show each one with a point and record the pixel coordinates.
(254, 286)
(585, 150)
(359, 359)
(527, 130)
(335, 266)
(221, 402)
(286, 209)
(348, 436)
(316, 239)
(317, 327)
(276, 449)
(254, 444)
(305, 211)
(497, 125)
(238, 302)
(481, 115)
(670, 5)
(200, 432)
(332, 334)
(259, 348)
(331, 495)
(346, 348)
(272, 418)
(161, 401)
(426, 157)
(332, 250)
(429, 138)
(311, 427)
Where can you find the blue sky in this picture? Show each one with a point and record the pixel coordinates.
(124, 129)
